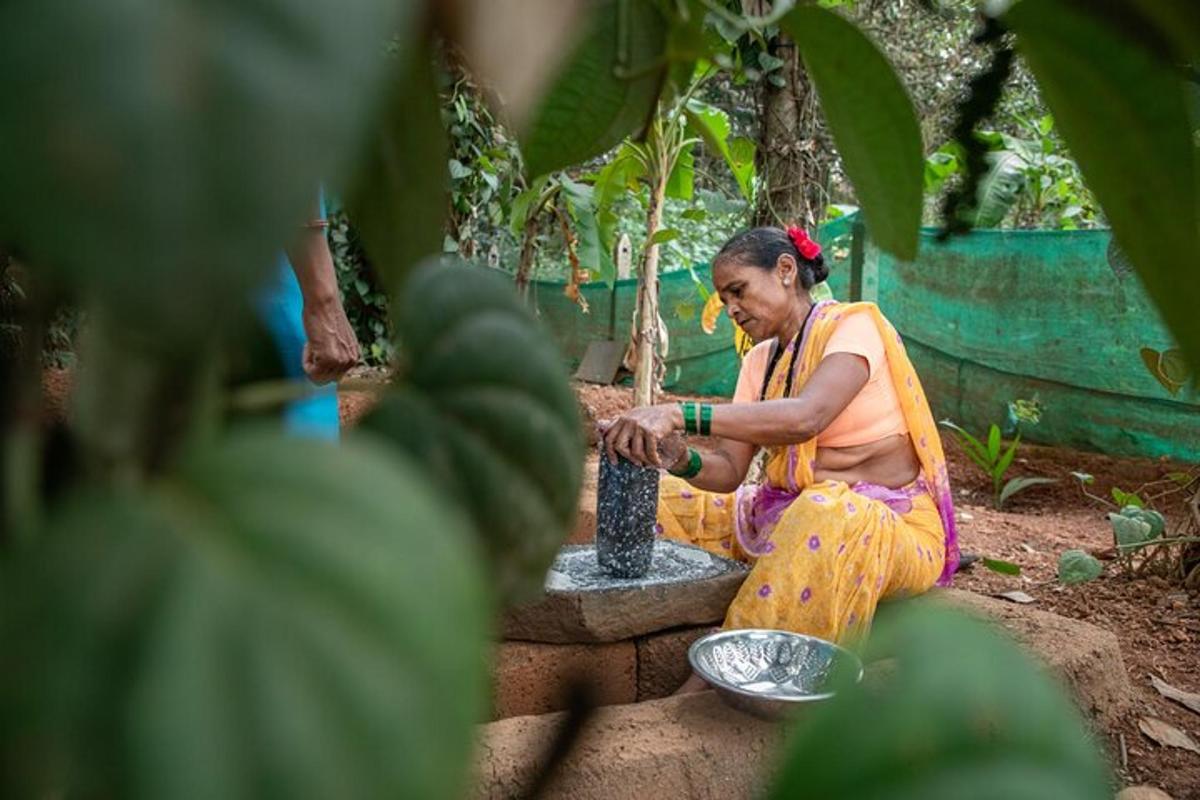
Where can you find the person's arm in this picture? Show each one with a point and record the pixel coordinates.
(332, 347)
(835, 382)
(723, 466)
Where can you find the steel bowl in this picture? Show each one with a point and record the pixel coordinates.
(769, 673)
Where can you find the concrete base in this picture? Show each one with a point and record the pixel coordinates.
(688, 746)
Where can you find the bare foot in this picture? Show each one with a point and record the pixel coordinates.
(694, 683)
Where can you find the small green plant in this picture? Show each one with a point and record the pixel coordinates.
(1140, 538)
(995, 461)
(1076, 566)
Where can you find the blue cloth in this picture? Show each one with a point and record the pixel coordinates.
(279, 306)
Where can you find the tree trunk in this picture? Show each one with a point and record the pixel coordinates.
(525, 264)
(646, 373)
(793, 157)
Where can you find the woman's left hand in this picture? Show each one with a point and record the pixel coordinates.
(637, 433)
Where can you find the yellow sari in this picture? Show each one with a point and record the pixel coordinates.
(824, 554)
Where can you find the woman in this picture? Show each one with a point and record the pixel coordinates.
(855, 506)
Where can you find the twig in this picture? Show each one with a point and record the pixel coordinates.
(1124, 752)
(1194, 506)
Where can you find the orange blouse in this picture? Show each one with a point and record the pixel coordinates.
(875, 411)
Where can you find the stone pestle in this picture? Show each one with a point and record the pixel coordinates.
(626, 508)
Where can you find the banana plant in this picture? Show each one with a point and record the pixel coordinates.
(573, 205)
(664, 163)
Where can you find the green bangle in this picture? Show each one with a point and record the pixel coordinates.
(705, 419)
(694, 465)
(689, 417)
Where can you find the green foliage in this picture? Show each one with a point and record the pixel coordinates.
(267, 622)
(999, 189)
(1000, 566)
(217, 614)
(402, 177)
(1130, 531)
(711, 125)
(1019, 485)
(1147, 515)
(485, 166)
(964, 714)
(1030, 182)
(485, 405)
(1124, 499)
(151, 218)
(1169, 368)
(365, 301)
(607, 90)
(872, 120)
(995, 461)
(1076, 566)
(1097, 77)
(595, 250)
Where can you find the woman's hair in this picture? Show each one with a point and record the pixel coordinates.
(762, 247)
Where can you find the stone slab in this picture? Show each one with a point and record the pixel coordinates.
(662, 662)
(1085, 658)
(579, 609)
(534, 677)
(691, 746)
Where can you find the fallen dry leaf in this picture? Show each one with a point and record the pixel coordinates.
(1167, 735)
(1187, 699)
(1016, 597)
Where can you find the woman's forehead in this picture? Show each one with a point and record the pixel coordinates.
(729, 271)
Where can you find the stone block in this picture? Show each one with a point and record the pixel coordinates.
(662, 661)
(534, 677)
(595, 610)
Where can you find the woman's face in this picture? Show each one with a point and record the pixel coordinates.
(761, 301)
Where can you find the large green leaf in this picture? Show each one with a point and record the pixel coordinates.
(1017, 485)
(399, 200)
(618, 177)
(999, 189)
(282, 619)
(581, 204)
(607, 90)
(168, 150)
(484, 403)
(1124, 113)
(964, 713)
(1129, 531)
(872, 121)
(711, 125)
(681, 183)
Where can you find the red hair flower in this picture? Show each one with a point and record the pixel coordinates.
(807, 247)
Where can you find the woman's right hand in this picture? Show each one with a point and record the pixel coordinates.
(636, 434)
